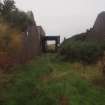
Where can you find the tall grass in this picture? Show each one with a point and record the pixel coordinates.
(45, 82)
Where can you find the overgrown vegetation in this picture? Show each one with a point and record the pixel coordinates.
(13, 24)
(79, 49)
(47, 81)
(12, 15)
(10, 43)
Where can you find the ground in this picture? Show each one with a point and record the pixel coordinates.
(49, 81)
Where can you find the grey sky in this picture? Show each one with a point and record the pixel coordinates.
(64, 17)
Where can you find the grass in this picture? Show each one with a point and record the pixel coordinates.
(48, 81)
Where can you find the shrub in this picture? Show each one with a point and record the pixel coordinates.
(83, 51)
(10, 43)
(13, 16)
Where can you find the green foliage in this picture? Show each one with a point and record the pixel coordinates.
(25, 85)
(19, 19)
(16, 18)
(13, 23)
(6, 7)
(83, 51)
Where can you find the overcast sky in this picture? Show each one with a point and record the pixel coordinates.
(63, 17)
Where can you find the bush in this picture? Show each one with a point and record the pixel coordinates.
(19, 20)
(10, 44)
(83, 51)
(13, 16)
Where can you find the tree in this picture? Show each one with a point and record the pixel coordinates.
(13, 16)
(19, 19)
(7, 6)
